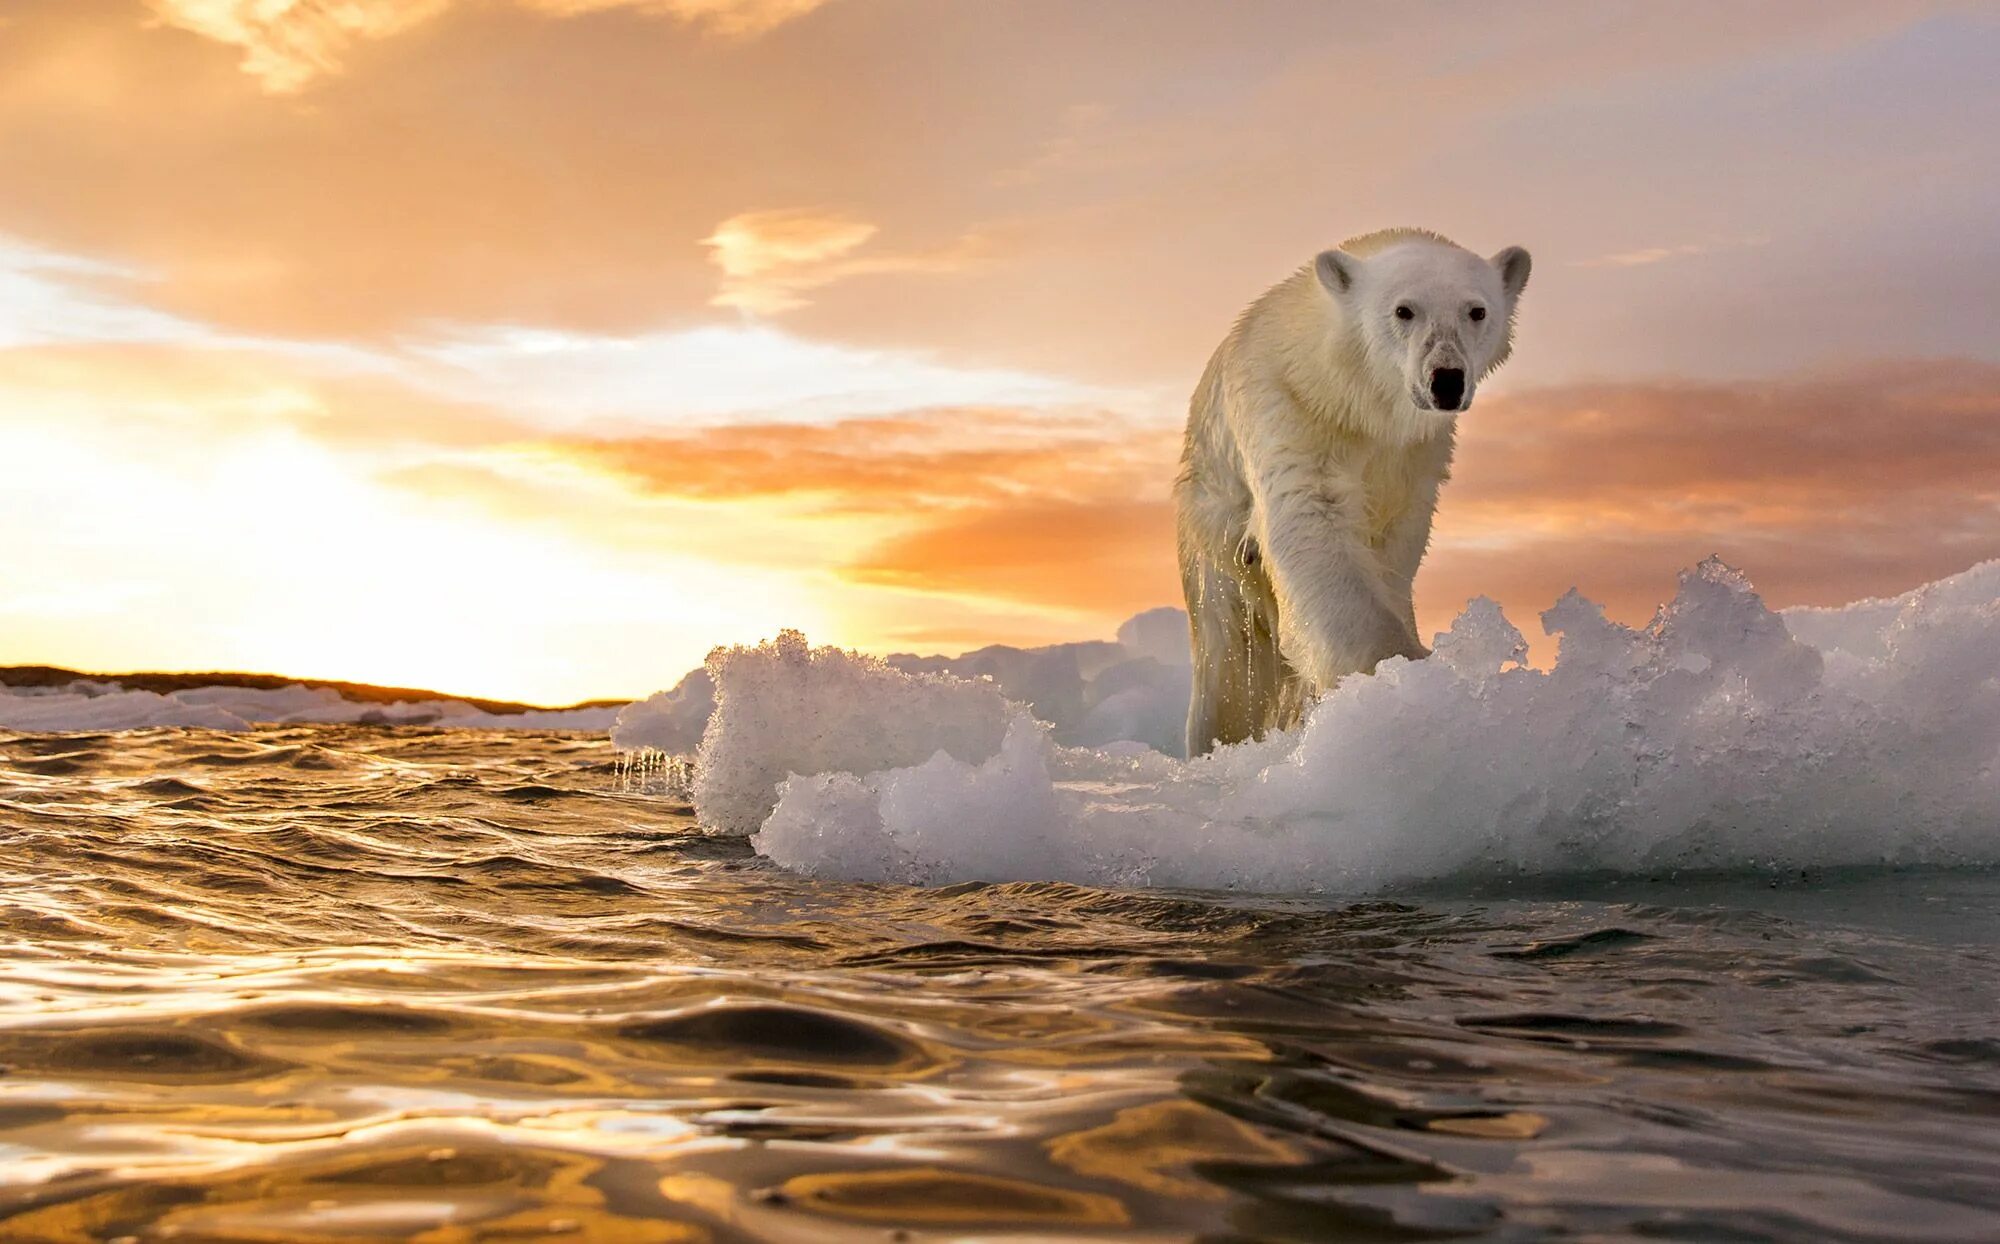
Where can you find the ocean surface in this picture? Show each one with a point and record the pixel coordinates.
(337, 982)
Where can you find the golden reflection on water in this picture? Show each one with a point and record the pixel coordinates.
(341, 985)
(931, 1196)
(1156, 1147)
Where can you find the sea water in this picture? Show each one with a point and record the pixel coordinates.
(318, 983)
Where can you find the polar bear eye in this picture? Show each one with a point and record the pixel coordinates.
(1477, 314)
(1404, 312)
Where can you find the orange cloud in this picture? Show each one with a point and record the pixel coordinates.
(1106, 557)
(946, 459)
(1824, 489)
(1685, 454)
(288, 43)
(556, 163)
(1646, 256)
(771, 259)
(729, 18)
(1052, 514)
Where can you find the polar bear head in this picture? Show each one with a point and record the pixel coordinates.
(1433, 319)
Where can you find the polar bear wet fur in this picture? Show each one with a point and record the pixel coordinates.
(1317, 441)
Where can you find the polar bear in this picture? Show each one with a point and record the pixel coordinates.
(1316, 443)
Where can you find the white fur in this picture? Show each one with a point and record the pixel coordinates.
(1312, 466)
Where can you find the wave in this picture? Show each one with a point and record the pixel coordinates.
(1722, 736)
(88, 704)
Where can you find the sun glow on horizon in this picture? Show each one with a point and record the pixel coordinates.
(255, 548)
(388, 513)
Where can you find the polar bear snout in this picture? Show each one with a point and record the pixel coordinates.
(1440, 378)
(1447, 387)
(1439, 369)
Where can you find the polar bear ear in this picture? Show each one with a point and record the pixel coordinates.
(1337, 271)
(1513, 264)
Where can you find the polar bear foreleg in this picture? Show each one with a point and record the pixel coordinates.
(1242, 685)
(1216, 616)
(1337, 613)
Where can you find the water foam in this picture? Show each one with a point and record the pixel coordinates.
(1721, 736)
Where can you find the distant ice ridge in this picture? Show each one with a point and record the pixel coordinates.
(92, 705)
(1721, 736)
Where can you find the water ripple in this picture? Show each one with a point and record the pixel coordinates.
(346, 983)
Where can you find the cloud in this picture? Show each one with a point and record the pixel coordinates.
(729, 18)
(1649, 255)
(1824, 487)
(545, 378)
(771, 259)
(1640, 258)
(1051, 514)
(1106, 556)
(1689, 455)
(502, 164)
(926, 462)
(47, 296)
(288, 43)
(51, 298)
(707, 375)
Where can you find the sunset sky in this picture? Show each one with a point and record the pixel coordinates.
(529, 348)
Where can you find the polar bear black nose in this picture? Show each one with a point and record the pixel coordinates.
(1447, 387)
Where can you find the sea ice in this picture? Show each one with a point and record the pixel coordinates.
(669, 721)
(1721, 736)
(786, 708)
(1091, 694)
